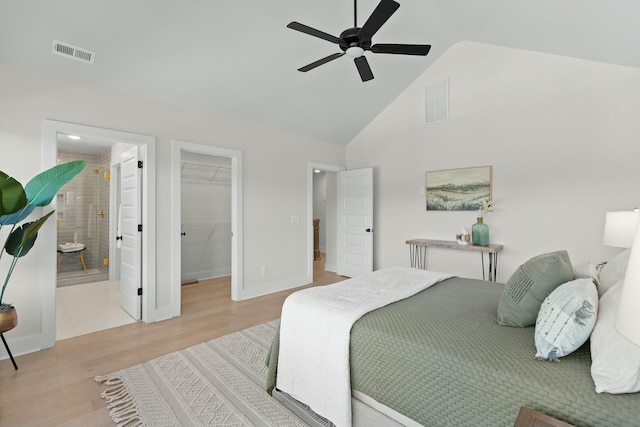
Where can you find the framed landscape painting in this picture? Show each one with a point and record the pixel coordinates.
(458, 189)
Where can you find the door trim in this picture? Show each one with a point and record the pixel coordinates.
(237, 282)
(50, 129)
(310, 167)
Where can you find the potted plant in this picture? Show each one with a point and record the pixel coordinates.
(16, 204)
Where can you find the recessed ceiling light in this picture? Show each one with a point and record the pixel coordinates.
(316, 170)
(74, 137)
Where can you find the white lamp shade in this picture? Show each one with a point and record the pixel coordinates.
(628, 321)
(620, 227)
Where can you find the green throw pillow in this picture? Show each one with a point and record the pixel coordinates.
(529, 285)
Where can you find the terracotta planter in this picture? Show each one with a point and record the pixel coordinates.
(8, 320)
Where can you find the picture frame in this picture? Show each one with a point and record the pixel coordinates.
(462, 189)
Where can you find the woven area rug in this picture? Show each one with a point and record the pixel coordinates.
(217, 383)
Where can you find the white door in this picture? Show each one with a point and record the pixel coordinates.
(130, 255)
(355, 222)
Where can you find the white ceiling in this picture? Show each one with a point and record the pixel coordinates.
(237, 58)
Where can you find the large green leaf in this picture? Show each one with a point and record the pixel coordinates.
(12, 195)
(15, 218)
(43, 187)
(22, 239)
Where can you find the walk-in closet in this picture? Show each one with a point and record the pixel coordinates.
(206, 217)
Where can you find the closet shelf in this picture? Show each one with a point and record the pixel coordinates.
(208, 172)
(205, 225)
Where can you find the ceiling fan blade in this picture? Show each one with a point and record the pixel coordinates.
(402, 49)
(320, 62)
(363, 68)
(313, 32)
(380, 15)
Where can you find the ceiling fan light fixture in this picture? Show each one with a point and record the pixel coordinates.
(355, 51)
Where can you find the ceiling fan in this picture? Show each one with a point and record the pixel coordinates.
(355, 41)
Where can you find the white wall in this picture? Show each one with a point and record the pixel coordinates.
(275, 180)
(560, 133)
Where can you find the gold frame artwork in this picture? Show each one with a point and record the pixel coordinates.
(461, 189)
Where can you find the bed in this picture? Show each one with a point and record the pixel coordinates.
(439, 358)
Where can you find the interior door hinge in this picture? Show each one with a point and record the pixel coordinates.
(139, 164)
(139, 291)
(140, 228)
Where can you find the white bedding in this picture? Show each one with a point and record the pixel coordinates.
(313, 363)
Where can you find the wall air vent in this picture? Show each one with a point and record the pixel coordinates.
(74, 52)
(436, 102)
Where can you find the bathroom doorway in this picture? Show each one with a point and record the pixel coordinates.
(86, 293)
(82, 217)
(88, 287)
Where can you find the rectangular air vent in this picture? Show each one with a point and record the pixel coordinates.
(436, 102)
(71, 51)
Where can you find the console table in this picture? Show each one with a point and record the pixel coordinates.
(418, 253)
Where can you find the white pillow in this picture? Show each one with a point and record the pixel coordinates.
(586, 270)
(613, 271)
(566, 319)
(615, 361)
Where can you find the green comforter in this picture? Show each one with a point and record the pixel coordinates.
(440, 358)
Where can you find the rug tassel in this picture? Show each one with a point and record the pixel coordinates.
(121, 407)
(124, 414)
(104, 378)
(110, 397)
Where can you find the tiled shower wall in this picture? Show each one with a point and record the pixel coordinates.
(83, 211)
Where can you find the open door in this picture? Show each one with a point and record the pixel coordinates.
(130, 235)
(355, 222)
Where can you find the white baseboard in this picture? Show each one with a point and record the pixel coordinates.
(20, 346)
(207, 274)
(277, 286)
(330, 267)
(163, 313)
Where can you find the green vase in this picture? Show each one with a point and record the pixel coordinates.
(480, 233)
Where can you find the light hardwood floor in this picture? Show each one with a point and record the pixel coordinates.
(56, 387)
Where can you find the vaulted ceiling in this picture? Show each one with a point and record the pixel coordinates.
(237, 58)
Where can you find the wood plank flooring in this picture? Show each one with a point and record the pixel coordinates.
(56, 387)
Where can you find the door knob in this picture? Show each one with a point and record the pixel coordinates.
(368, 230)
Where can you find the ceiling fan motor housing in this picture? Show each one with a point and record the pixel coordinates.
(350, 38)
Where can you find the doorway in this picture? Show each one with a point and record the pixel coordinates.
(206, 237)
(205, 231)
(82, 216)
(87, 216)
(88, 287)
(322, 201)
